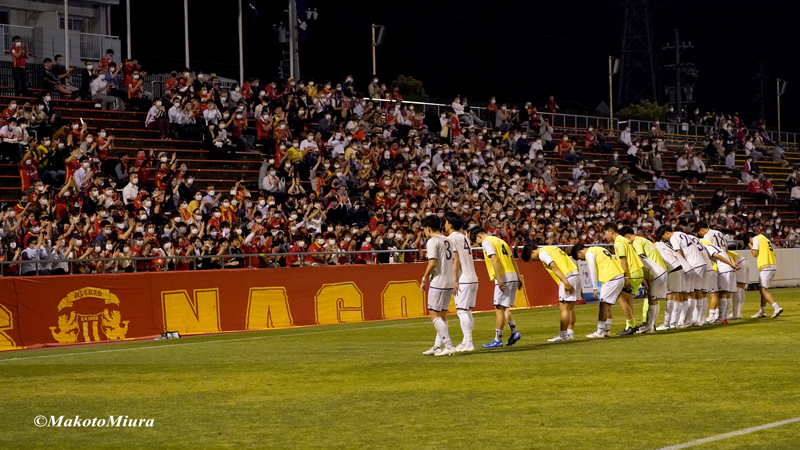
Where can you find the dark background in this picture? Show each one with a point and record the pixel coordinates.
(515, 50)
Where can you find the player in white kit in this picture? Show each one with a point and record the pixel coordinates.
(677, 293)
(466, 280)
(439, 282)
(717, 245)
(695, 254)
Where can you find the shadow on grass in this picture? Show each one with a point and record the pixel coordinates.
(580, 341)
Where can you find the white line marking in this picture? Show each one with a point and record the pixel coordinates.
(731, 434)
(522, 312)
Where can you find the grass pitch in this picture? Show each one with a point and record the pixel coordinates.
(368, 386)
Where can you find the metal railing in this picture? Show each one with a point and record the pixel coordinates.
(74, 263)
(699, 131)
(155, 83)
(557, 120)
(93, 46)
(7, 32)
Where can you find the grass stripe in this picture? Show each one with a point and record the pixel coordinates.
(731, 434)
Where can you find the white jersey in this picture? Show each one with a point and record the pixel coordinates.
(717, 238)
(716, 250)
(440, 249)
(460, 243)
(693, 250)
(671, 258)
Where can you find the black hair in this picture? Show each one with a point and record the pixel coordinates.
(610, 226)
(527, 250)
(575, 249)
(700, 225)
(432, 222)
(661, 230)
(473, 235)
(626, 230)
(456, 220)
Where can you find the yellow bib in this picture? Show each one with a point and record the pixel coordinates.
(608, 267)
(503, 254)
(624, 248)
(563, 262)
(766, 254)
(645, 246)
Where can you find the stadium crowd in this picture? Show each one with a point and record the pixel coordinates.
(341, 173)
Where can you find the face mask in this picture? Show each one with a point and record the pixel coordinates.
(217, 215)
(134, 181)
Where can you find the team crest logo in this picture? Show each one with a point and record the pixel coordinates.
(87, 315)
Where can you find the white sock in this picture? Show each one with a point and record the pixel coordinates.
(713, 314)
(722, 313)
(677, 311)
(441, 328)
(601, 326)
(652, 314)
(570, 332)
(438, 342)
(668, 311)
(688, 306)
(742, 297)
(607, 327)
(775, 306)
(762, 310)
(699, 310)
(464, 315)
(498, 335)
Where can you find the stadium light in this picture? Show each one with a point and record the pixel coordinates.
(781, 85)
(376, 41)
(613, 69)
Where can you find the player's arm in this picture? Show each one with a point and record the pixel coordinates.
(726, 260)
(591, 263)
(754, 247)
(496, 266)
(456, 271)
(516, 269)
(567, 286)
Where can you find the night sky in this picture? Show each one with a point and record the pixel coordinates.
(516, 51)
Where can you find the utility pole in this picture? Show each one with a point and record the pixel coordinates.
(66, 33)
(680, 68)
(186, 31)
(761, 77)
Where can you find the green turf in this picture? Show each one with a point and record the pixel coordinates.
(368, 386)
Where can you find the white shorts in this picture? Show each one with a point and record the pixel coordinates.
(727, 282)
(676, 282)
(744, 273)
(508, 297)
(696, 279)
(658, 287)
(439, 299)
(467, 293)
(710, 282)
(766, 274)
(574, 279)
(609, 292)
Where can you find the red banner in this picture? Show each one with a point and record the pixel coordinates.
(73, 309)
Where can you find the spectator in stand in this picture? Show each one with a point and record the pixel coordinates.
(625, 137)
(157, 120)
(698, 169)
(673, 119)
(779, 155)
(682, 166)
(100, 93)
(794, 198)
(19, 56)
(52, 82)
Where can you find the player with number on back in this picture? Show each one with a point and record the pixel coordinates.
(565, 273)
(504, 272)
(466, 281)
(438, 281)
(761, 248)
(606, 269)
(696, 255)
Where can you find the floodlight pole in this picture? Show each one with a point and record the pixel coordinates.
(374, 71)
(66, 33)
(241, 47)
(610, 91)
(778, 82)
(128, 25)
(186, 29)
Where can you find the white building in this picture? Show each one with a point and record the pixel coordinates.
(40, 24)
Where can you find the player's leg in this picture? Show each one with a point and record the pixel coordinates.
(440, 323)
(566, 305)
(465, 301)
(765, 277)
(741, 292)
(601, 321)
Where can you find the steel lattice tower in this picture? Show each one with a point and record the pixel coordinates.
(637, 77)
